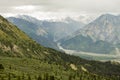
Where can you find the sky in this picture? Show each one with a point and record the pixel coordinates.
(59, 8)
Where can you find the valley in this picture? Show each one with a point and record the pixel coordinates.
(92, 56)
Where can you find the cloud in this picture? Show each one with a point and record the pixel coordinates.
(67, 5)
(61, 8)
(25, 8)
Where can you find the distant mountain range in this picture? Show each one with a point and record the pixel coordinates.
(34, 31)
(100, 36)
(46, 32)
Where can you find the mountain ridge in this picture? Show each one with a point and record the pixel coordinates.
(104, 29)
(45, 32)
(34, 31)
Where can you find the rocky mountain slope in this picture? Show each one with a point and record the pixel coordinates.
(100, 36)
(105, 28)
(57, 29)
(30, 26)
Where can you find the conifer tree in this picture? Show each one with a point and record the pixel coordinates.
(39, 78)
(52, 78)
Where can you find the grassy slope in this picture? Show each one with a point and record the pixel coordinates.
(21, 55)
(19, 67)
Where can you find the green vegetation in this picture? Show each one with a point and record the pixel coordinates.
(32, 69)
(21, 58)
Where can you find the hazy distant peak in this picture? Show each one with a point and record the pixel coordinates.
(68, 19)
(107, 18)
(27, 17)
(107, 15)
(24, 16)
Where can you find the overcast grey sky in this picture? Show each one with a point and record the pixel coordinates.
(53, 8)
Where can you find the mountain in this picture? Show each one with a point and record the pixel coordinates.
(16, 43)
(100, 36)
(105, 28)
(61, 29)
(45, 32)
(21, 58)
(28, 18)
(30, 26)
(56, 29)
(85, 18)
